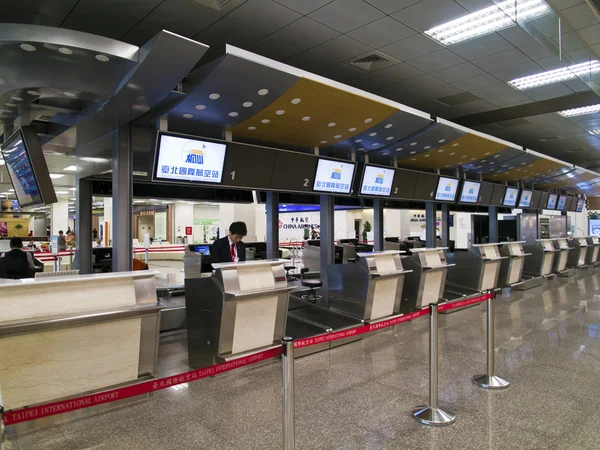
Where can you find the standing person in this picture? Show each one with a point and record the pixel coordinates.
(62, 242)
(16, 264)
(230, 248)
(94, 234)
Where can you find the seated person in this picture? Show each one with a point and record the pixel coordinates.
(16, 264)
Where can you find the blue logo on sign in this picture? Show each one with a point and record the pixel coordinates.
(336, 174)
(379, 178)
(195, 155)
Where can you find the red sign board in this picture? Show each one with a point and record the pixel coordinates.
(188, 231)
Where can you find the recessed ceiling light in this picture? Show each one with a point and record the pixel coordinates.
(441, 150)
(351, 130)
(368, 120)
(426, 156)
(413, 159)
(102, 58)
(56, 175)
(200, 107)
(463, 156)
(337, 136)
(386, 153)
(412, 144)
(389, 125)
(247, 104)
(372, 134)
(452, 154)
(412, 153)
(70, 94)
(280, 112)
(295, 101)
(28, 47)
(390, 138)
(17, 99)
(323, 142)
(361, 148)
(358, 140)
(188, 116)
(488, 20)
(263, 92)
(11, 105)
(233, 114)
(33, 93)
(65, 50)
(252, 128)
(473, 159)
(70, 169)
(556, 76)
(331, 125)
(580, 111)
(265, 121)
(454, 145)
(5, 111)
(399, 149)
(214, 96)
(375, 144)
(305, 118)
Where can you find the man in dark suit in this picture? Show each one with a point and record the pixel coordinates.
(230, 248)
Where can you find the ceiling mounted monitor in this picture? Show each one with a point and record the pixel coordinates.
(27, 168)
(562, 202)
(470, 192)
(446, 189)
(510, 197)
(580, 203)
(551, 201)
(377, 181)
(334, 176)
(181, 158)
(525, 200)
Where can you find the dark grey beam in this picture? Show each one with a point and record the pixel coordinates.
(493, 227)
(378, 224)
(83, 254)
(430, 230)
(272, 225)
(122, 194)
(327, 243)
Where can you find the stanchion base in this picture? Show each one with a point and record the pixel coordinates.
(433, 416)
(493, 382)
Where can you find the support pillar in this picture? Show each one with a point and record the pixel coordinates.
(493, 227)
(445, 225)
(59, 216)
(272, 225)
(83, 255)
(327, 244)
(378, 224)
(430, 230)
(122, 188)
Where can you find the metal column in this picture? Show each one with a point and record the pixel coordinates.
(122, 194)
(493, 226)
(430, 229)
(445, 225)
(327, 244)
(378, 224)
(83, 255)
(272, 225)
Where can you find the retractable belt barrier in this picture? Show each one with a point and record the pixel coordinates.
(26, 414)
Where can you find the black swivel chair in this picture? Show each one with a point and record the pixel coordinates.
(287, 273)
(313, 284)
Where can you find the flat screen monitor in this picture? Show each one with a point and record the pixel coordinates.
(377, 181)
(510, 197)
(485, 193)
(498, 195)
(188, 159)
(446, 189)
(204, 250)
(580, 203)
(571, 203)
(334, 176)
(27, 168)
(551, 201)
(525, 200)
(470, 192)
(562, 202)
(426, 186)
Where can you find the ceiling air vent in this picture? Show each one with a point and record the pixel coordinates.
(43, 118)
(221, 6)
(372, 61)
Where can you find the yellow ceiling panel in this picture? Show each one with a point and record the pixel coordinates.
(535, 169)
(323, 116)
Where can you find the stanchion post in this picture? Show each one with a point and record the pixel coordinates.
(489, 380)
(146, 256)
(289, 421)
(432, 414)
(1, 421)
(59, 263)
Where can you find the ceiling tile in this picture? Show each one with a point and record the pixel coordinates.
(549, 91)
(226, 31)
(331, 52)
(430, 13)
(135, 8)
(474, 107)
(596, 49)
(580, 16)
(274, 48)
(391, 6)
(305, 33)
(475, 5)
(577, 85)
(346, 15)
(381, 32)
(181, 18)
(263, 15)
(483, 46)
(537, 51)
(436, 61)
(13, 14)
(392, 74)
(550, 63)
(478, 82)
(340, 72)
(95, 19)
(518, 71)
(58, 9)
(494, 91)
(411, 47)
(517, 36)
(141, 33)
(511, 99)
(458, 72)
(591, 35)
(564, 4)
(415, 84)
(582, 55)
(303, 6)
(501, 60)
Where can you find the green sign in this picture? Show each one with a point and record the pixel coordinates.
(206, 221)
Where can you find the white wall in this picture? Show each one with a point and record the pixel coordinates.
(230, 212)
(59, 216)
(183, 217)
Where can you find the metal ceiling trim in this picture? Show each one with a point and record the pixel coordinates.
(478, 133)
(244, 54)
(544, 156)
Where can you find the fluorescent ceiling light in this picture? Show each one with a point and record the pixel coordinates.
(70, 169)
(56, 175)
(72, 189)
(62, 193)
(595, 132)
(580, 111)
(488, 20)
(91, 159)
(5, 193)
(11, 190)
(556, 76)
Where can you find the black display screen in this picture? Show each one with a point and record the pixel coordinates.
(426, 186)
(294, 172)
(404, 184)
(20, 170)
(498, 195)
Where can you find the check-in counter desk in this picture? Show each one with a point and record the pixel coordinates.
(66, 336)
(473, 271)
(560, 259)
(593, 251)
(425, 284)
(511, 272)
(540, 263)
(369, 290)
(578, 253)
(241, 309)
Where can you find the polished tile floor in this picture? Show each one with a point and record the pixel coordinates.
(359, 396)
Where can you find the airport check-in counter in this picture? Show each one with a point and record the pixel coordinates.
(561, 258)
(425, 284)
(475, 270)
(511, 272)
(540, 263)
(240, 310)
(578, 253)
(369, 290)
(593, 250)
